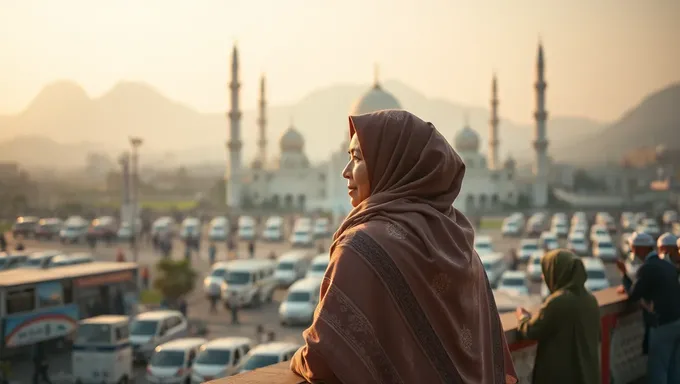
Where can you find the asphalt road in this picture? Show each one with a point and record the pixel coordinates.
(219, 323)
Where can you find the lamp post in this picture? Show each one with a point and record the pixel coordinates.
(135, 143)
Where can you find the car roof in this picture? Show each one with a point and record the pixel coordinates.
(249, 264)
(537, 255)
(158, 315)
(276, 347)
(483, 239)
(592, 263)
(495, 256)
(528, 241)
(322, 258)
(220, 265)
(182, 344)
(227, 342)
(514, 274)
(306, 284)
(274, 219)
(44, 254)
(105, 319)
(294, 255)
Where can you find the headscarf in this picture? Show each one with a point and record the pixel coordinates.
(562, 270)
(415, 177)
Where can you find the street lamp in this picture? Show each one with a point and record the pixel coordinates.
(135, 143)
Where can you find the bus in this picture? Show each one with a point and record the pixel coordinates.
(38, 305)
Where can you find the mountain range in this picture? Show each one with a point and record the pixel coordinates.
(63, 123)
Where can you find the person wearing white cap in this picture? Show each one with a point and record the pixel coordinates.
(657, 288)
(667, 244)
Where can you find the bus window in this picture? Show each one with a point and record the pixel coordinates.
(68, 292)
(21, 301)
(122, 333)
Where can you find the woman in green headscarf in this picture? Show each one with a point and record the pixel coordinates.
(567, 327)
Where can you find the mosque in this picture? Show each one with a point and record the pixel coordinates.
(291, 181)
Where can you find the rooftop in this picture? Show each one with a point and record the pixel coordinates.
(23, 276)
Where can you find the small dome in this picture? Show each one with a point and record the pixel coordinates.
(292, 140)
(376, 99)
(467, 140)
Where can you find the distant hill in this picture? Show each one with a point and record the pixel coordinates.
(655, 121)
(62, 114)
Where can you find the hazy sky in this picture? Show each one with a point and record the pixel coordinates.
(602, 56)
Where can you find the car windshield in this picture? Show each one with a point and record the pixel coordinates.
(298, 297)
(513, 282)
(604, 245)
(167, 359)
(537, 261)
(93, 334)
(272, 228)
(73, 227)
(487, 265)
(596, 274)
(301, 233)
(245, 228)
(286, 266)
(219, 272)
(259, 361)
(214, 357)
(34, 262)
(319, 267)
(530, 247)
(483, 246)
(143, 327)
(237, 278)
(577, 241)
(3, 261)
(24, 225)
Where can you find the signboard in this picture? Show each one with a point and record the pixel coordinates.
(34, 327)
(111, 278)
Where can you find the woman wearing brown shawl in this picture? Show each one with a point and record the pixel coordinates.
(567, 327)
(405, 298)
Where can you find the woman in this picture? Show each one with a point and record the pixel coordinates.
(405, 298)
(567, 327)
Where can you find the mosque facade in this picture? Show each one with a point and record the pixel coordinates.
(290, 181)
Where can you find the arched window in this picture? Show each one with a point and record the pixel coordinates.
(482, 201)
(494, 199)
(276, 201)
(288, 201)
(469, 202)
(302, 199)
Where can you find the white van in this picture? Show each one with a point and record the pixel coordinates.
(101, 352)
(74, 230)
(273, 229)
(151, 329)
(267, 354)
(319, 265)
(494, 266)
(483, 245)
(191, 229)
(172, 362)
(163, 225)
(292, 266)
(246, 228)
(39, 260)
(252, 281)
(300, 302)
(322, 227)
(219, 229)
(219, 358)
(302, 237)
(213, 282)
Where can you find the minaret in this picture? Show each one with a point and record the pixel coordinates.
(541, 164)
(234, 145)
(262, 123)
(493, 160)
(376, 76)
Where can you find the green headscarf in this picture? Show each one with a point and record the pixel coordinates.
(563, 270)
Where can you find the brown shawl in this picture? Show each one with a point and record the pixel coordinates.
(405, 298)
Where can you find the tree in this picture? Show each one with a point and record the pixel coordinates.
(175, 279)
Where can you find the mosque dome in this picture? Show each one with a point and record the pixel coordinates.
(375, 99)
(467, 140)
(292, 140)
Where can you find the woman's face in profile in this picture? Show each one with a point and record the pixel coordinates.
(356, 174)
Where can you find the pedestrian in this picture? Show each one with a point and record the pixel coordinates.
(213, 298)
(234, 304)
(183, 306)
(40, 365)
(212, 253)
(272, 255)
(260, 334)
(145, 277)
(3, 242)
(120, 255)
(271, 336)
(667, 244)
(567, 327)
(657, 288)
(251, 249)
(187, 253)
(19, 246)
(514, 259)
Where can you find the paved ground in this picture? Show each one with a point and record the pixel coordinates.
(219, 323)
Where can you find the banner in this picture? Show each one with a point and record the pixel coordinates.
(34, 327)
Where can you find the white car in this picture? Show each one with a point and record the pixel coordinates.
(273, 229)
(172, 362)
(650, 227)
(213, 282)
(578, 245)
(534, 269)
(527, 247)
(219, 358)
(302, 237)
(548, 241)
(596, 275)
(605, 250)
(218, 229)
(578, 228)
(599, 233)
(246, 228)
(511, 228)
(321, 228)
(494, 266)
(318, 266)
(560, 229)
(150, 329)
(483, 245)
(268, 354)
(669, 217)
(300, 302)
(514, 282)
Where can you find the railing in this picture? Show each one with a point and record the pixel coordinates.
(621, 347)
